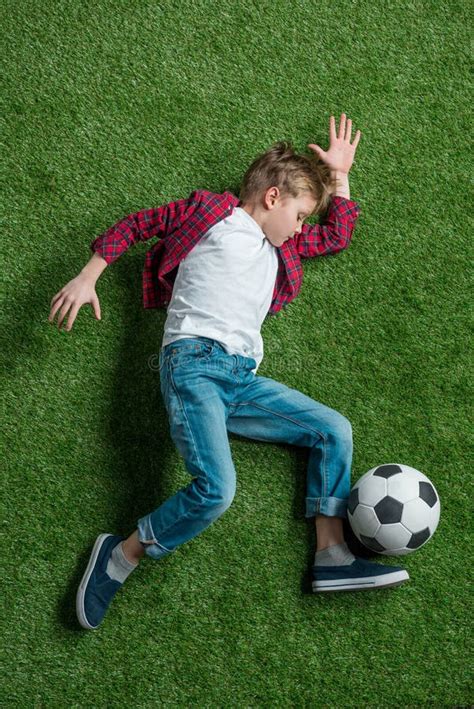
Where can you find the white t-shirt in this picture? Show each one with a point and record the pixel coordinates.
(224, 287)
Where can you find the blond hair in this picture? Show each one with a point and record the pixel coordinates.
(280, 166)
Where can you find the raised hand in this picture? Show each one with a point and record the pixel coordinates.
(341, 151)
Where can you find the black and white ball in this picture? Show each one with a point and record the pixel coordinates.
(393, 509)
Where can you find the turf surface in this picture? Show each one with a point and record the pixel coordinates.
(111, 107)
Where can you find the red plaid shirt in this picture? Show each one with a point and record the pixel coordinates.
(179, 226)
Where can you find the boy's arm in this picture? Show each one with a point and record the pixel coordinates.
(109, 246)
(94, 267)
(141, 226)
(336, 232)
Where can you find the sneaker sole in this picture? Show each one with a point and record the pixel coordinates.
(364, 584)
(81, 591)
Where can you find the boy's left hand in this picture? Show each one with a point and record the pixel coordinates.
(341, 152)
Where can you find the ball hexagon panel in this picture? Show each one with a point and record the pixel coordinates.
(365, 520)
(397, 552)
(403, 487)
(393, 536)
(372, 490)
(416, 515)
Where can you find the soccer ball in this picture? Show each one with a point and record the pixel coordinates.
(393, 509)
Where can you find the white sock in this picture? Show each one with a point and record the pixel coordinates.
(118, 566)
(336, 555)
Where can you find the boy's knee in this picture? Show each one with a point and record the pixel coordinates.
(225, 501)
(222, 498)
(342, 431)
(344, 427)
(339, 431)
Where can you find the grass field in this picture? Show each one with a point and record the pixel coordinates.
(111, 107)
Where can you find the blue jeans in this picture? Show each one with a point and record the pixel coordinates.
(208, 392)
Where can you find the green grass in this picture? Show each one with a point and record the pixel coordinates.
(111, 107)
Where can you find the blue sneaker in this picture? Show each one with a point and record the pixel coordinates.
(97, 589)
(361, 575)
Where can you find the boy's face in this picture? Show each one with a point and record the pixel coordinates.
(281, 218)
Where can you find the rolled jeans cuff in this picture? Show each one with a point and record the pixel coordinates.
(147, 538)
(329, 506)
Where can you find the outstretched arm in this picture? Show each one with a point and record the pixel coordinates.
(336, 232)
(107, 248)
(141, 226)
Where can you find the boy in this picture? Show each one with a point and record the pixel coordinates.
(221, 265)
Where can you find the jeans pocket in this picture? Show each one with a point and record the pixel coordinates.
(190, 355)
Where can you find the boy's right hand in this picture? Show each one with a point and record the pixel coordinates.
(72, 296)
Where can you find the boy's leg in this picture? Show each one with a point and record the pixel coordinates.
(197, 414)
(329, 528)
(329, 531)
(268, 410)
(133, 548)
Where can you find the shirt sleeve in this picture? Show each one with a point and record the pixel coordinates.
(143, 225)
(334, 234)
